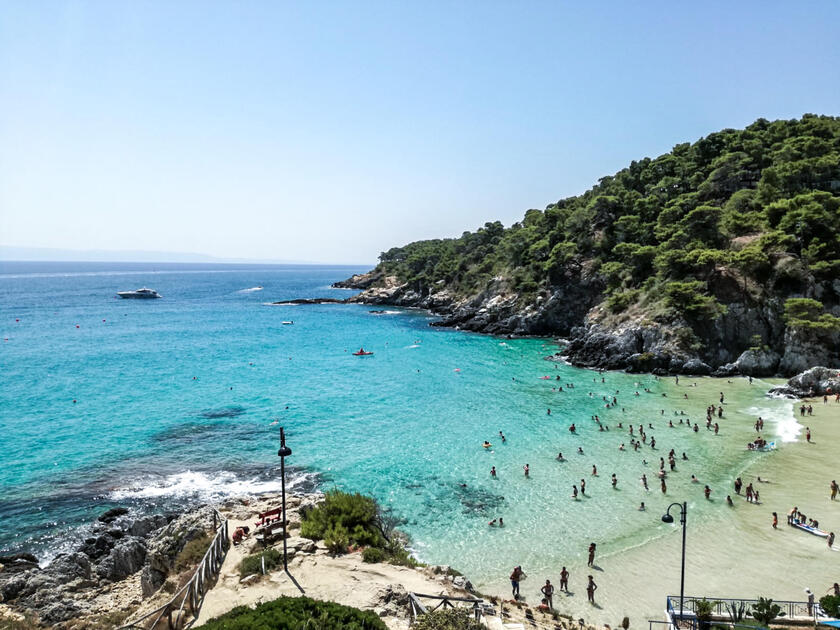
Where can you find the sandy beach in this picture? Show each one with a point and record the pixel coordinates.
(735, 553)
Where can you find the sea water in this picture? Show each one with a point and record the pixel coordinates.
(158, 403)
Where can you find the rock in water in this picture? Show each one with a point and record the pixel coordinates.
(817, 381)
(113, 514)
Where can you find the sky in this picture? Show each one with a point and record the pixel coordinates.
(332, 131)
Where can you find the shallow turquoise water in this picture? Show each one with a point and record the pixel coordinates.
(181, 399)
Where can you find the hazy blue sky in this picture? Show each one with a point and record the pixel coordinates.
(330, 131)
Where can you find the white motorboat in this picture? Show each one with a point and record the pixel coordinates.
(139, 294)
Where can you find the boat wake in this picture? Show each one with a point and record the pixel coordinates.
(251, 290)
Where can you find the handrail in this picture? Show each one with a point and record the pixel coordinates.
(192, 593)
(417, 607)
(789, 607)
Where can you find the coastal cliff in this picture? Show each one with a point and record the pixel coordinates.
(721, 257)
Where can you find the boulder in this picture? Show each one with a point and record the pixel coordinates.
(71, 566)
(112, 515)
(301, 544)
(18, 562)
(126, 558)
(817, 381)
(145, 525)
(696, 366)
(758, 362)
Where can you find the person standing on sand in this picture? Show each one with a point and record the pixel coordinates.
(775, 521)
(515, 578)
(830, 540)
(564, 579)
(590, 590)
(548, 593)
(833, 489)
(591, 554)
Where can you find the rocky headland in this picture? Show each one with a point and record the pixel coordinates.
(746, 340)
(720, 257)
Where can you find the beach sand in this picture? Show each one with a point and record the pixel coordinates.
(735, 553)
(344, 579)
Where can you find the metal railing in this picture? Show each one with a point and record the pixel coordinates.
(691, 623)
(187, 600)
(789, 608)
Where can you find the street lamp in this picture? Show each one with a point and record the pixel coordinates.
(283, 453)
(667, 518)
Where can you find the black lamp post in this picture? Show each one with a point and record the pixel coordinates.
(667, 518)
(283, 453)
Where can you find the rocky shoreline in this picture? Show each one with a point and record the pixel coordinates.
(124, 562)
(131, 564)
(748, 340)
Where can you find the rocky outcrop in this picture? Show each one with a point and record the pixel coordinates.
(818, 381)
(310, 301)
(118, 546)
(749, 337)
(165, 546)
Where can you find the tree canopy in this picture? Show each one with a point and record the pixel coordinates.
(753, 201)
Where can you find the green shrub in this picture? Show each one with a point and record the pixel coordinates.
(619, 302)
(337, 539)
(765, 611)
(296, 613)
(373, 555)
(831, 605)
(192, 553)
(402, 558)
(689, 298)
(355, 513)
(251, 565)
(807, 314)
(447, 619)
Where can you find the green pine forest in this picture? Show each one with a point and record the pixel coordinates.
(761, 204)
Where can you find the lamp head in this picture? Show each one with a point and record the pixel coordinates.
(667, 518)
(284, 451)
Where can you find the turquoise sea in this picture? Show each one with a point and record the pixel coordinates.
(180, 399)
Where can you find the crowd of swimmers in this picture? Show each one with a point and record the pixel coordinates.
(638, 439)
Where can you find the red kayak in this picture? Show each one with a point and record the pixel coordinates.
(362, 353)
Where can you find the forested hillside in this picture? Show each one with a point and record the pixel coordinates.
(734, 239)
